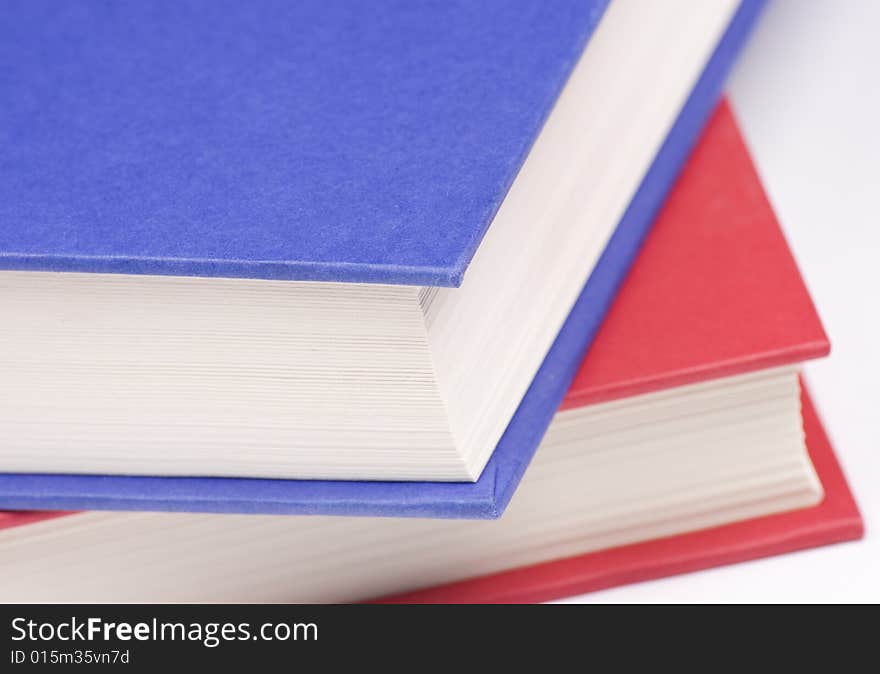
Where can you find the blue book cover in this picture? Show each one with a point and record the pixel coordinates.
(189, 222)
(310, 140)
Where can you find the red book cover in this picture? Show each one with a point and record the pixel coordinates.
(714, 292)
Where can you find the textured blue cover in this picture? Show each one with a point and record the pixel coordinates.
(485, 498)
(309, 139)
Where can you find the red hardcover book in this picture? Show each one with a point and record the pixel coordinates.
(715, 292)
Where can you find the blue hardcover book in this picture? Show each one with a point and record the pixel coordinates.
(319, 257)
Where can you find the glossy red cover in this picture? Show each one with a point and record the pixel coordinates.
(715, 290)
(834, 520)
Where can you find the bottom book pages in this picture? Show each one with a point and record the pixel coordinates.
(834, 520)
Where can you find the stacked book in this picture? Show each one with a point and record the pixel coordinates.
(408, 301)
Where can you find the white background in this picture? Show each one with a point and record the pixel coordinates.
(807, 94)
